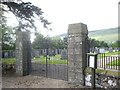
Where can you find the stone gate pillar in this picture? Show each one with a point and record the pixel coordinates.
(23, 53)
(77, 35)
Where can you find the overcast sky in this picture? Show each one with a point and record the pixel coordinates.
(97, 14)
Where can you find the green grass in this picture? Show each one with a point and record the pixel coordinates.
(105, 71)
(8, 60)
(112, 53)
(53, 59)
(115, 63)
(107, 53)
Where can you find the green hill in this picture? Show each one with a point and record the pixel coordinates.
(107, 35)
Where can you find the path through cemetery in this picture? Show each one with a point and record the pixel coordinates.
(35, 82)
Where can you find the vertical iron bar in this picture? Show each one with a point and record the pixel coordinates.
(109, 61)
(104, 60)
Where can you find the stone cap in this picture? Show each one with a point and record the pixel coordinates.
(77, 28)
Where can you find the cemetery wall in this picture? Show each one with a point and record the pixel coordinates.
(103, 80)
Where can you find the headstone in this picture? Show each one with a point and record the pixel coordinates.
(64, 54)
(97, 50)
(37, 55)
(51, 52)
(23, 53)
(77, 36)
(6, 54)
(101, 50)
(110, 50)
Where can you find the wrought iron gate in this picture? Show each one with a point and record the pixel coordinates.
(50, 65)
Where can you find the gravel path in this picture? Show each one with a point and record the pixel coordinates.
(34, 82)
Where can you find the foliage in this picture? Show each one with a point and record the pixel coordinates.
(41, 42)
(25, 13)
(116, 44)
(96, 43)
(6, 33)
(8, 38)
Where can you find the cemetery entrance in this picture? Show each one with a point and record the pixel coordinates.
(50, 63)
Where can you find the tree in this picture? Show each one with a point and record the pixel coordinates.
(116, 44)
(96, 43)
(6, 33)
(41, 42)
(8, 38)
(25, 13)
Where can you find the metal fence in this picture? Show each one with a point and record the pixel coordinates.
(108, 62)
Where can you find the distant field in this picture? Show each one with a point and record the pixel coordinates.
(108, 35)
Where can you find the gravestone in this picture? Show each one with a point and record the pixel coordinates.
(23, 53)
(101, 50)
(36, 54)
(63, 54)
(5, 54)
(110, 50)
(51, 52)
(77, 51)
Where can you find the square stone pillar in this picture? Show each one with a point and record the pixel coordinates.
(23, 53)
(77, 50)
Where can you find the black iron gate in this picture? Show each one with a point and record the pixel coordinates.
(50, 65)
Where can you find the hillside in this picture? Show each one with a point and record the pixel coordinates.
(108, 35)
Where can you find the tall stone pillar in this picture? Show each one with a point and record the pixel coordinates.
(77, 35)
(23, 53)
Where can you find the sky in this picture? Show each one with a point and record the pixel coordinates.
(97, 14)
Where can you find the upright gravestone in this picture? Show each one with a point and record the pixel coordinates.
(63, 54)
(77, 37)
(23, 53)
(110, 50)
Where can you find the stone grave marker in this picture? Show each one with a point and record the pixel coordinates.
(63, 54)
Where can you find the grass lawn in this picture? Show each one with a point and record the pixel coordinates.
(115, 63)
(109, 54)
(53, 59)
(8, 60)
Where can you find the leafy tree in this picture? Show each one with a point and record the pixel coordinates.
(8, 38)
(41, 42)
(57, 42)
(116, 44)
(96, 43)
(25, 13)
